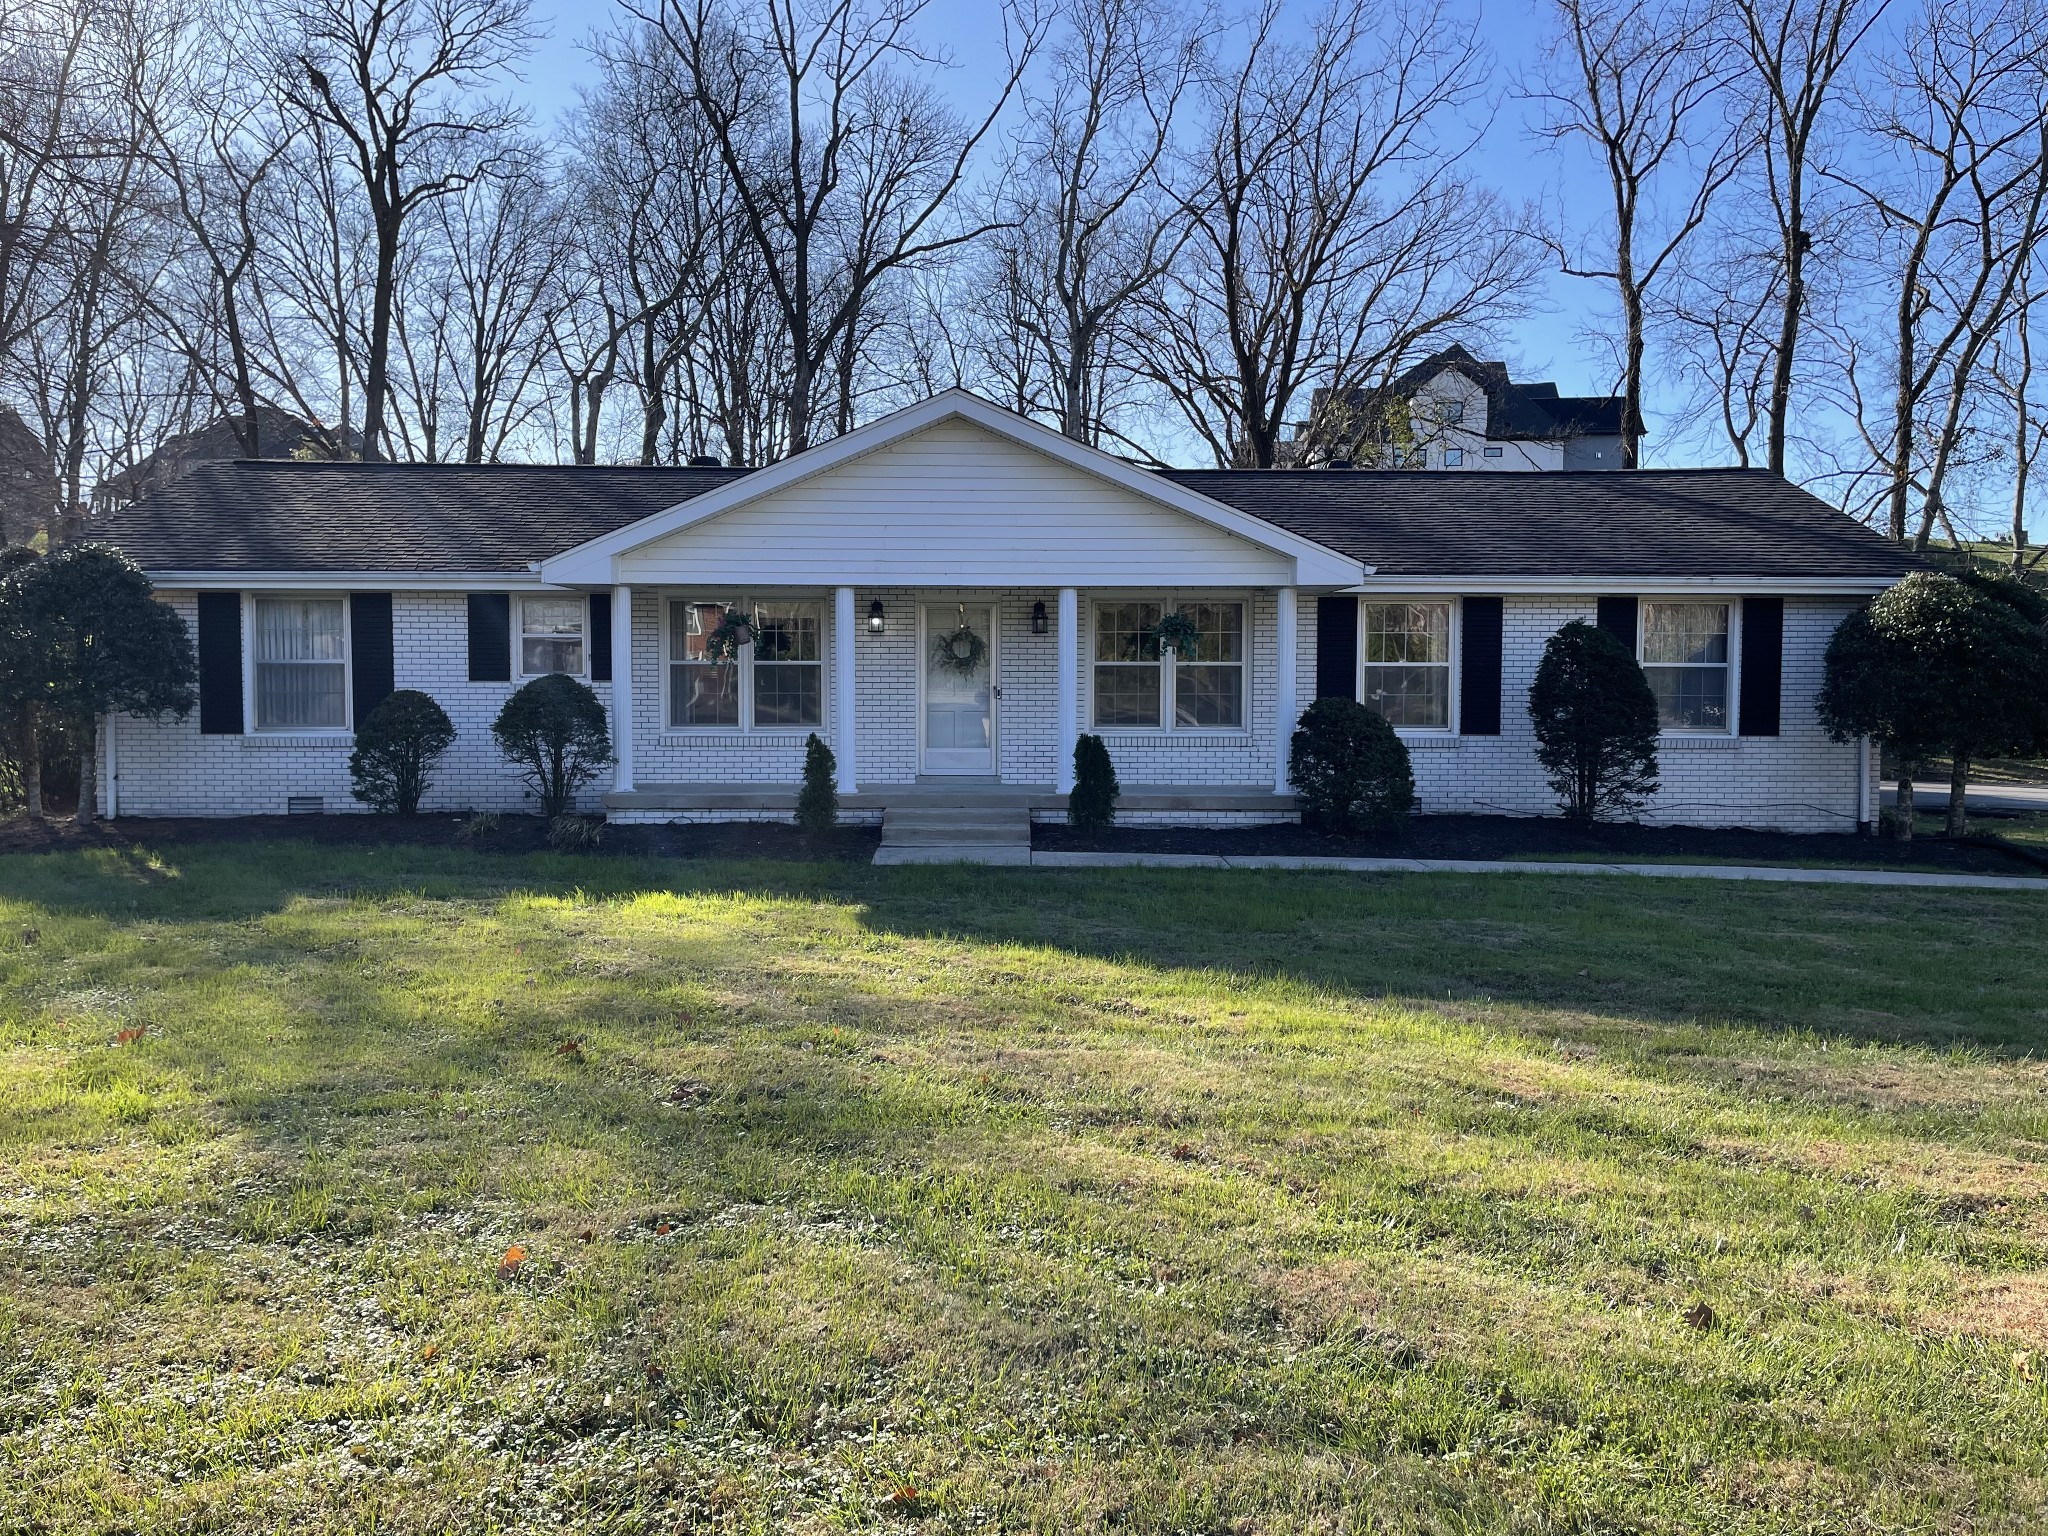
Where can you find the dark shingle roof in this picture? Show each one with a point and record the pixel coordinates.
(265, 515)
(1658, 522)
(403, 518)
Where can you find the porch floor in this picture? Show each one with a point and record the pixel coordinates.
(966, 793)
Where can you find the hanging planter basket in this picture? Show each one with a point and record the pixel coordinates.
(1180, 634)
(734, 630)
(962, 653)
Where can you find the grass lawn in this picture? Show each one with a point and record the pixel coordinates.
(1006, 1200)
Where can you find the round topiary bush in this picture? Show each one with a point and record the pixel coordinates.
(397, 745)
(1349, 769)
(554, 732)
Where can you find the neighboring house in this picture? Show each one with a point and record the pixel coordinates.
(279, 435)
(314, 589)
(28, 483)
(1452, 411)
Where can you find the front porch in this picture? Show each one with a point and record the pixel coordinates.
(1179, 804)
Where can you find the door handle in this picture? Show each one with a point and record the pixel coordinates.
(997, 692)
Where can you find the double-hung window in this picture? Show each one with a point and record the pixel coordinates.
(551, 634)
(301, 663)
(1407, 664)
(1685, 656)
(776, 682)
(1141, 684)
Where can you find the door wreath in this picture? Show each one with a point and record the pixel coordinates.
(962, 652)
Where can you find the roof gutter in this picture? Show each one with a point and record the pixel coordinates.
(1761, 586)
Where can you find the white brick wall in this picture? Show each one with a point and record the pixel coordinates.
(1798, 781)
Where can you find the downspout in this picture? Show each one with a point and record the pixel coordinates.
(1863, 817)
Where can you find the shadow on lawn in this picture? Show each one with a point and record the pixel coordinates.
(1940, 969)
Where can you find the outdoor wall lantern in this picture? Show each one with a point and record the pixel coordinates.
(1038, 618)
(875, 616)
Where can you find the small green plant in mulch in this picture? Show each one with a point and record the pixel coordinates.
(575, 834)
(1092, 802)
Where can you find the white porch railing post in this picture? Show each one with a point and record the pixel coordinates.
(843, 707)
(1069, 699)
(622, 687)
(1285, 708)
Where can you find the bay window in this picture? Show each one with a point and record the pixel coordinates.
(776, 682)
(300, 657)
(1407, 664)
(1140, 684)
(1684, 652)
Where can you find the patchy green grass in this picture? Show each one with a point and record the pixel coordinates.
(1150, 1201)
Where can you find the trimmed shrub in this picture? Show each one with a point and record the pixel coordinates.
(553, 731)
(1596, 723)
(1096, 791)
(397, 745)
(817, 803)
(1349, 768)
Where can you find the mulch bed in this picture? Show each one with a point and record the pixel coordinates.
(512, 834)
(1511, 837)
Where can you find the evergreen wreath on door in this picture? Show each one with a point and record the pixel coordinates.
(963, 652)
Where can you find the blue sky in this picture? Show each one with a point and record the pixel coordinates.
(1552, 343)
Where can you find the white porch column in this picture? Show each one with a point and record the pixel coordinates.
(1069, 699)
(110, 770)
(622, 687)
(844, 716)
(1285, 710)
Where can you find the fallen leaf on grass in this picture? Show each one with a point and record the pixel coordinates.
(903, 1501)
(654, 1373)
(31, 936)
(570, 1048)
(587, 1235)
(2023, 1364)
(1700, 1316)
(430, 1351)
(130, 1036)
(509, 1265)
(663, 1230)
(1183, 1152)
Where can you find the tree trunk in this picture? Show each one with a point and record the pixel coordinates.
(1902, 813)
(88, 778)
(1958, 784)
(31, 762)
(374, 380)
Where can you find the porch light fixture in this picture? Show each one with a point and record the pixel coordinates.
(1038, 625)
(875, 617)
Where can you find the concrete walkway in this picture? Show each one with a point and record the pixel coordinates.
(1783, 874)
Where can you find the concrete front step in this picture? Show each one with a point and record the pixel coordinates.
(945, 834)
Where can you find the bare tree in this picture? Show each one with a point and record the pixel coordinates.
(1955, 204)
(843, 170)
(1642, 83)
(42, 62)
(1797, 54)
(397, 82)
(2012, 372)
(1332, 232)
(1087, 226)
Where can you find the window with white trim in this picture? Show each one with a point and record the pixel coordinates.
(1684, 651)
(300, 655)
(1140, 684)
(777, 681)
(551, 634)
(1407, 664)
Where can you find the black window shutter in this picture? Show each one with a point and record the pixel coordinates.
(1337, 646)
(220, 663)
(1763, 664)
(370, 662)
(1479, 667)
(1618, 618)
(600, 637)
(490, 637)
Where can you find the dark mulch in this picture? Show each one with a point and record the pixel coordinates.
(512, 834)
(1510, 837)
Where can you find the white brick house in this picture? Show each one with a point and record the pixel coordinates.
(950, 595)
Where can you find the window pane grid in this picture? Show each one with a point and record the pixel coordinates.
(778, 681)
(1134, 678)
(300, 651)
(1685, 660)
(1407, 676)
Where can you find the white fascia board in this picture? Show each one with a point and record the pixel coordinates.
(1758, 586)
(345, 581)
(591, 563)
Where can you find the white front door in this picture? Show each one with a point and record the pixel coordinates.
(956, 697)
